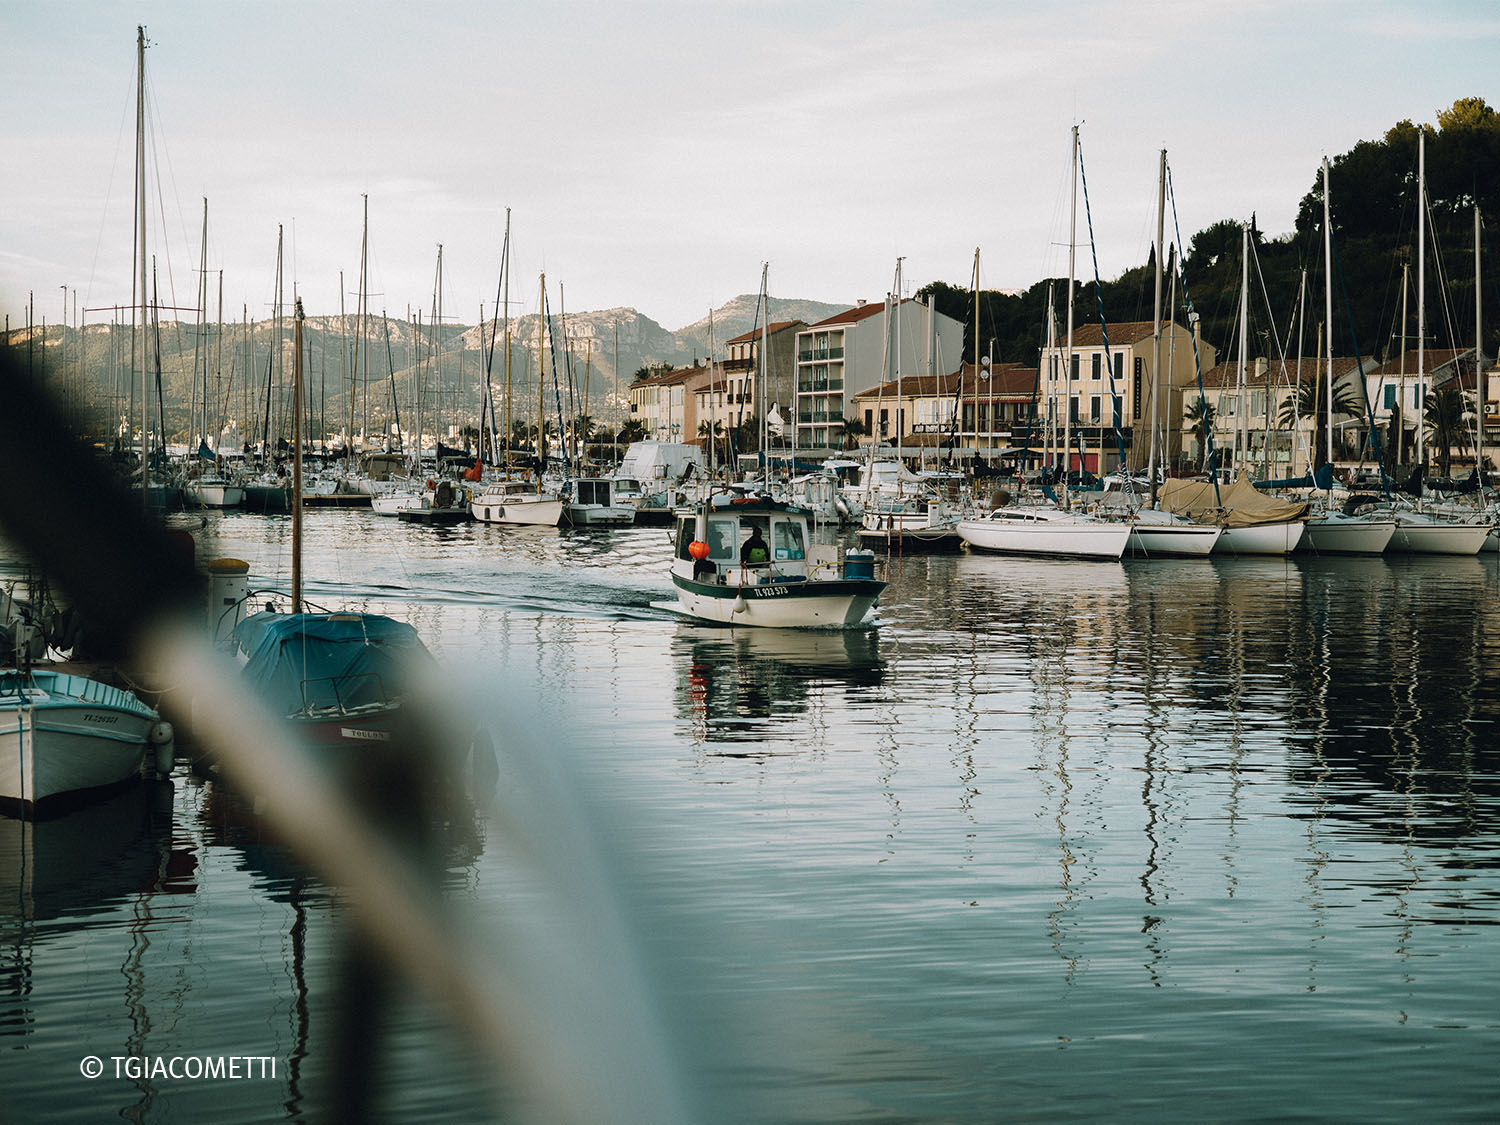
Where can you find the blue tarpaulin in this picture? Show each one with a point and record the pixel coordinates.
(301, 661)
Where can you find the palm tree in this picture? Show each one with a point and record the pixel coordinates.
(1308, 402)
(853, 429)
(712, 433)
(633, 430)
(1201, 415)
(1444, 413)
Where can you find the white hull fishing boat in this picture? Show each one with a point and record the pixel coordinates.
(1046, 531)
(1334, 533)
(64, 734)
(800, 585)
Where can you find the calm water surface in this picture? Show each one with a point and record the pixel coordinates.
(1160, 840)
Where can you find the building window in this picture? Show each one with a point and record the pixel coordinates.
(1094, 409)
(1119, 370)
(1094, 366)
(1076, 361)
(1390, 396)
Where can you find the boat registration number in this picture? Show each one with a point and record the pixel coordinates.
(367, 735)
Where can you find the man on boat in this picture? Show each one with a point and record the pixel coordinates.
(754, 551)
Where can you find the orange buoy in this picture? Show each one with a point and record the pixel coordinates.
(698, 549)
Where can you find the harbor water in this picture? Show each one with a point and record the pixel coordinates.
(1141, 841)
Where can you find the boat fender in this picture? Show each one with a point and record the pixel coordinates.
(162, 738)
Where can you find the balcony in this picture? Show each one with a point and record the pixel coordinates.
(819, 355)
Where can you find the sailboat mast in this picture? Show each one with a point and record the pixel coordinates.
(763, 369)
(975, 356)
(1161, 221)
(1328, 313)
(1068, 353)
(900, 437)
(541, 383)
(1421, 295)
(1242, 411)
(1478, 364)
(297, 458)
(140, 197)
(505, 267)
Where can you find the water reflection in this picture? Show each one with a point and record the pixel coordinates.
(740, 685)
(72, 873)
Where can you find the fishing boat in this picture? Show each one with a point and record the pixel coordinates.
(1046, 531)
(799, 584)
(65, 735)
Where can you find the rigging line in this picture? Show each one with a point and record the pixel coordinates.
(127, 104)
(1109, 365)
(1280, 349)
(1442, 280)
(562, 440)
(1208, 440)
(1364, 387)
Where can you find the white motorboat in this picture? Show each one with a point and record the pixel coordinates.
(800, 584)
(517, 502)
(1335, 533)
(592, 502)
(1046, 531)
(64, 734)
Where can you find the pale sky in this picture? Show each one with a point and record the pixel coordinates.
(655, 154)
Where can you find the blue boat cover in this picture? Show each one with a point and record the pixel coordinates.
(314, 661)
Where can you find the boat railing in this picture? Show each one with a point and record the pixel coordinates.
(322, 695)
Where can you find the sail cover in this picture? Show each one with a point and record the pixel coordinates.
(1242, 504)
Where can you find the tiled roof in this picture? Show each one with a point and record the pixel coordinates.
(1129, 332)
(1434, 359)
(1007, 380)
(771, 330)
(857, 313)
(1227, 375)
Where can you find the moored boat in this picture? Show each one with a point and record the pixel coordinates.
(1046, 531)
(1335, 533)
(64, 735)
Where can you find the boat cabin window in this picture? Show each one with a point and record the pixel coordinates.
(786, 540)
(593, 492)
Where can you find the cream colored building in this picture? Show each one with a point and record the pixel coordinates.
(1110, 387)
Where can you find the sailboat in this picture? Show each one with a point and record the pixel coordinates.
(1043, 530)
(336, 677)
(1155, 533)
(519, 501)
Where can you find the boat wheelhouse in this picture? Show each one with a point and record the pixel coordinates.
(798, 584)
